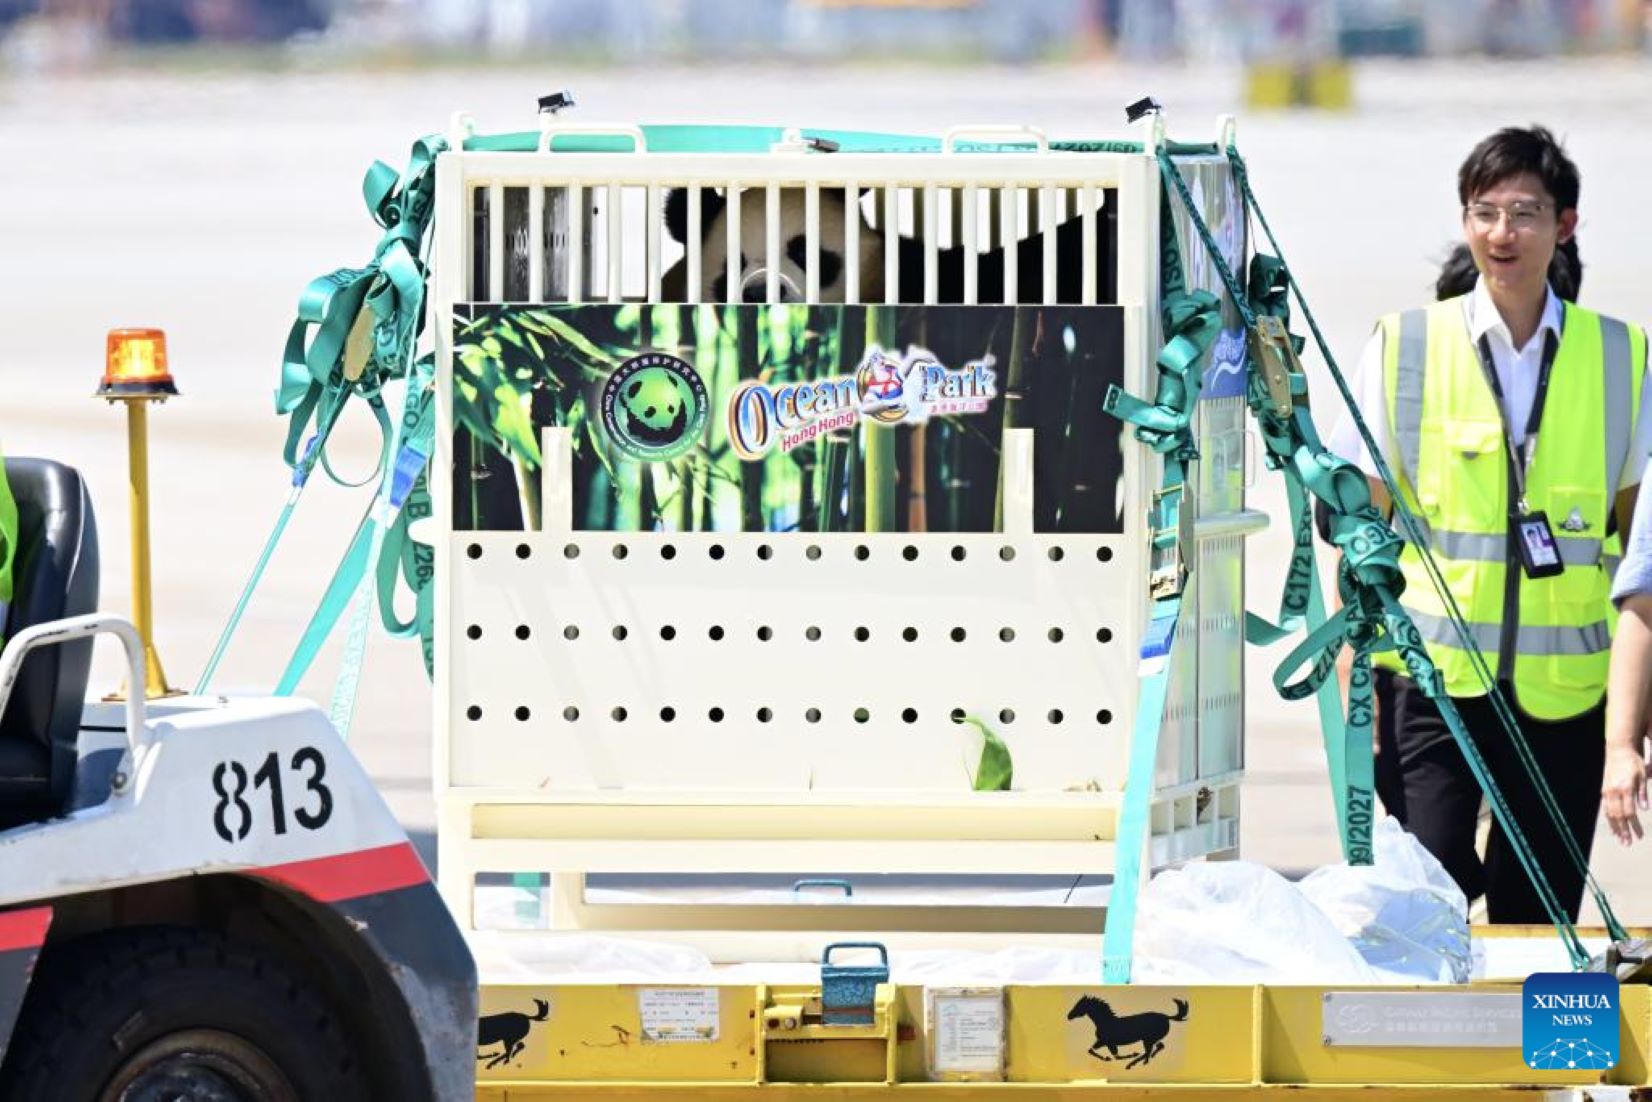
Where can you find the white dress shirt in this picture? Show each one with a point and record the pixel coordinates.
(1517, 374)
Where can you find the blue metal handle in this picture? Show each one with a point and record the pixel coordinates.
(848, 888)
(826, 955)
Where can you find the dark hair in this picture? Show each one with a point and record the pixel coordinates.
(1458, 273)
(1514, 150)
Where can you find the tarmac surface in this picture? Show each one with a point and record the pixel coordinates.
(203, 203)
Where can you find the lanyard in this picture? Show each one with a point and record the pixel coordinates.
(1520, 458)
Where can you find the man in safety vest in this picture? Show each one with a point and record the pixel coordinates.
(1513, 424)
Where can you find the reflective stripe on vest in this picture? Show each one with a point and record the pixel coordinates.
(1453, 473)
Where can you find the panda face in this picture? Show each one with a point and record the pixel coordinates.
(655, 407)
(754, 265)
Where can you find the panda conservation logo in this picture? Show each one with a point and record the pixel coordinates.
(654, 407)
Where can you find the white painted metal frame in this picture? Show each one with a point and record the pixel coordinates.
(521, 785)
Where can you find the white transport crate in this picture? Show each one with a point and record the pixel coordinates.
(662, 701)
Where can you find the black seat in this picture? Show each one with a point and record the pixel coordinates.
(55, 574)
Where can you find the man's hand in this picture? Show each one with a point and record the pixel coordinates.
(1623, 791)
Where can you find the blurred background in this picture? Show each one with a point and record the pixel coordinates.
(55, 32)
(192, 164)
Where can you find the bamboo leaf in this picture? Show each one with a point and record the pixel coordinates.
(995, 770)
(599, 451)
(552, 326)
(534, 345)
(470, 417)
(574, 420)
(514, 426)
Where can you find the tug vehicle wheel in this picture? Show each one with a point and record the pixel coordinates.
(177, 1015)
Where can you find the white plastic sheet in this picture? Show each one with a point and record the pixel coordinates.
(1404, 914)
(1238, 922)
(1400, 920)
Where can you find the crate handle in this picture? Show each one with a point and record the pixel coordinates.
(826, 954)
(848, 888)
(548, 131)
(998, 133)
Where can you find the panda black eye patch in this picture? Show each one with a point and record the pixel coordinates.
(797, 251)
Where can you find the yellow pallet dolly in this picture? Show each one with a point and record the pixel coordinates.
(1252, 1041)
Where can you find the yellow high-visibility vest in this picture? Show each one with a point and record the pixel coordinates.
(1452, 467)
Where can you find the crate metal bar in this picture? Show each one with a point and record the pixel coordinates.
(771, 242)
(811, 239)
(496, 242)
(693, 245)
(614, 250)
(731, 212)
(851, 242)
(536, 244)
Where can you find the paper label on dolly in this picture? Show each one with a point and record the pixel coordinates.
(678, 1014)
(966, 1028)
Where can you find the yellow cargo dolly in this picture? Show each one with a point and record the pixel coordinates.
(663, 691)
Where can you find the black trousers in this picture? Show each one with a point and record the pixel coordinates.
(1442, 799)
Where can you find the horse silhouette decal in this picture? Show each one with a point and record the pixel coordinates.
(1113, 1032)
(509, 1031)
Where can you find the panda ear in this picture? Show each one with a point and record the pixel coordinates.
(676, 214)
(676, 211)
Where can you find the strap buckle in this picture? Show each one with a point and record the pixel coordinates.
(1274, 356)
(1168, 574)
(1170, 527)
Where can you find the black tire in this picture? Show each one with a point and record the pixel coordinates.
(152, 1014)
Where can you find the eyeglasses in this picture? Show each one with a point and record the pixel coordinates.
(1522, 214)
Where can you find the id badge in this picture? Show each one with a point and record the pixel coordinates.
(1539, 553)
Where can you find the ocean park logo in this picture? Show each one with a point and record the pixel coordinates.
(1569, 1021)
(886, 389)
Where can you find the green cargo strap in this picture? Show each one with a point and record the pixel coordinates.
(366, 323)
(1416, 531)
(414, 441)
(416, 438)
(1119, 925)
(405, 559)
(8, 547)
(1192, 321)
(307, 460)
(1292, 445)
(1294, 448)
(1371, 594)
(1349, 760)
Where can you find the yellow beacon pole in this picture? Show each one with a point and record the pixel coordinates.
(135, 373)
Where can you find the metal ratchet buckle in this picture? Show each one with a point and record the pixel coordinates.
(1271, 351)
(1167, 572)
